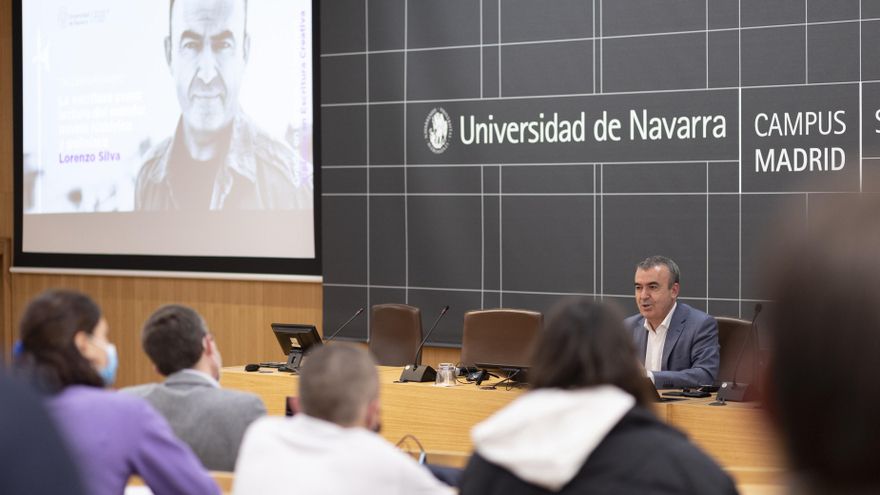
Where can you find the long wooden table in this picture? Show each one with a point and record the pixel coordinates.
(736, 435)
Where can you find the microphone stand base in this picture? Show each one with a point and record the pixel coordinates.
(737, 392)
(418, 373)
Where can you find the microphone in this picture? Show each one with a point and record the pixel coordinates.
(334, 334)
(419, 372)
(742, 392)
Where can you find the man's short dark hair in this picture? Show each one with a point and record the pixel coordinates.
(657, 260)
(336, 383)
(824, 324)
(171, 11)
(172, 338)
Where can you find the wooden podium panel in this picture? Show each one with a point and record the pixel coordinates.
(736, 435)
(440, 417)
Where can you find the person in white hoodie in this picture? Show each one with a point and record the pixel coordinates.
(586, 426)
(331, 447)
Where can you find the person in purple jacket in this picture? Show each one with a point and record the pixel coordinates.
(66, 354)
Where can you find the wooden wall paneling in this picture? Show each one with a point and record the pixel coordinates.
(435, 355)
(6, 327)
(237, 312)
(6, 163)
(7, 155)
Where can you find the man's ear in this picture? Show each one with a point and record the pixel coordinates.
(374, 413)
(207, 348)
(293, 403)
(675, 289)
(168, 51)
(246, 47)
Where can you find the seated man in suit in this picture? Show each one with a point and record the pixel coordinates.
(677, 344)
(211, 420)
(331, 446)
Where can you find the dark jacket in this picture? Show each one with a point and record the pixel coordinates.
(257, 172)
(639, 455)
(691, 354)
(34, 456)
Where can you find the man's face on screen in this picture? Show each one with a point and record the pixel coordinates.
(207, 51)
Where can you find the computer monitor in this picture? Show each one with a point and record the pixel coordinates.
(514, 373)
(296, 341)
(656, 393)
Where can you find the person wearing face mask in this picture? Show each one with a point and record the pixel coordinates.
(66, 353)
(332, 445)
(209, 419)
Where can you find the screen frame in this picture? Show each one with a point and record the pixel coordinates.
(283, 331)
(237, 265)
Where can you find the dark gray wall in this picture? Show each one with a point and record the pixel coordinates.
(521, 225)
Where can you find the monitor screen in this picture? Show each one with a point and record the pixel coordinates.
(294, 337)
(150, 138)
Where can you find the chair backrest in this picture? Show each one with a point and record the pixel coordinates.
(732, 334)
(499, 336)
(395, 334)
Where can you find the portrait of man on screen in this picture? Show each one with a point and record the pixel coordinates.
(217, 157)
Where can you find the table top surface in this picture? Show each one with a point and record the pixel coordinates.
(737, 434)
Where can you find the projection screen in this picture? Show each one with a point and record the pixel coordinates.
(157, 135)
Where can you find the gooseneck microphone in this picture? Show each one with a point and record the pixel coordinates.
(419, 372)
(334, 334)
(742, 392)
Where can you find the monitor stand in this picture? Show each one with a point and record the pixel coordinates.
(294, 360)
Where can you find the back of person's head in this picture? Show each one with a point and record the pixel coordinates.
(337, 384)
(585, 344)
(173, 337)
(824, 324)
(49, 356)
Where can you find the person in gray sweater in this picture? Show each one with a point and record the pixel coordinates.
(211, 420)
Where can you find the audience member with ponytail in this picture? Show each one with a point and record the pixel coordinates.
(65, 352)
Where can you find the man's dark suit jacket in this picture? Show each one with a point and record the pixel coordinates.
(691, 354)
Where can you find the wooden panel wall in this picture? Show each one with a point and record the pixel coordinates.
(6, 119)
(6, 163)
(238, 312)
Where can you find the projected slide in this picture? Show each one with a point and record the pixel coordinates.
(180, 128)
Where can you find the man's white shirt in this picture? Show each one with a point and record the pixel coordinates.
(308, 455)
(656, 341)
